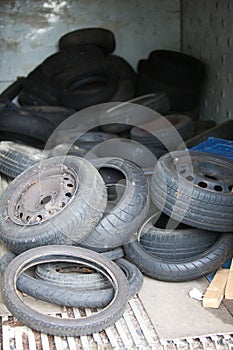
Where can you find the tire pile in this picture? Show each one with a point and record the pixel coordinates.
(89, 230)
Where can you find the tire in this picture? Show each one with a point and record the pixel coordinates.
(179, 270)
(87, 85)
(195, 188)
(123, 69)
(73, 297)
(103, 38)
(61, 61)
(176, 68)
(55, 114)
(66, 214)
(59, 326)
(117, 226)
(25, 128)
(15, 158)
(181, 99)
(163, 136)
(42, 88)
(13, 89)
(89, 140)
(179, 241)
(25, 98)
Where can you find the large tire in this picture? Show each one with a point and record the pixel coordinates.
(61, 61)
(162, 135)
(178, 241)
(67, 211)
(89, 84)
(90, 139)
(60, 326)
(101, 37)
(117, 226)
(72, 296)
(25, 98)
(181, 269)
(24, 127)
(195, 188)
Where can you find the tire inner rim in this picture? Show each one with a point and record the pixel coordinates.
(44, 195)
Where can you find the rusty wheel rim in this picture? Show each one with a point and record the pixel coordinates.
(43, 196)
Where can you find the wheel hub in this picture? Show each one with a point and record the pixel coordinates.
(43, 196)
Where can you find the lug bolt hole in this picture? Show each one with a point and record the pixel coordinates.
(202, 184)
(45, 200)
(68, 194)
(218, 188)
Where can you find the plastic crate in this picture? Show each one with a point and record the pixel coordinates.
(216, 146)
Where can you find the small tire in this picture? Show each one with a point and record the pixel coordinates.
(101, 37)
(60, 326)
(30, 224)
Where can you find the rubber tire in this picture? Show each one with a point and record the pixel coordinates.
(60, 326)
(176, 68)
(61, 61)
(24, 127)
(55, 114)
(78, 218)
(181, 99)
(101, 37)
(25, 98)
(13, 89)
(90, 139)
(182, 123)
(183, 269)
(117, 226)
(87, 75)
(186, 201)
(73, 297)
(179, 241)
(15, 158)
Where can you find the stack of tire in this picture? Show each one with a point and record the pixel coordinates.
(194, 235)
(177, 74)
(84, 72)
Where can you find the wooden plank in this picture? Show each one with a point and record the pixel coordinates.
(215, 292)
(229, 285)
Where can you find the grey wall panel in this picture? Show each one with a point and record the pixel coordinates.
(30, 29)
(208, 34)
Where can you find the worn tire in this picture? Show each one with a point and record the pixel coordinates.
(117, 226)
(101, 37)
(195, 188)
(163, 136)
(179, 241)
(181, 269)
(70, 224)
(13, 89)
(60, 326)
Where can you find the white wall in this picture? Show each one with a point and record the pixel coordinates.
(30, 29)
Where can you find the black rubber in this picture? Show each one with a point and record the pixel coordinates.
(195, 188)
(61, 61)
(90, 139)
(181, 269)
(169, 239)
(75, 296)
(101, 37)
(72, 223)
(13, 89)
(42, 89)
(60, 326)
(123, 69)
(164, 131)
(15, 158)
(25, 98)
(120, 223)
(24, 127)
(181, 99)
(89, 84)
(176, 68)
(55, 114)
